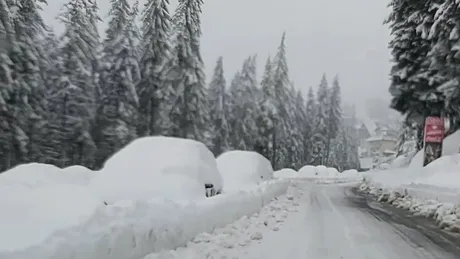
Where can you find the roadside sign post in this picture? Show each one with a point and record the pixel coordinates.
(433, 137)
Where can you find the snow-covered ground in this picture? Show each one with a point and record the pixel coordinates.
(243, 169)
(320, 174)
(312, 221)
(158, 167)
(150, 203)
(149, 197)
(432, 191)
(230, 240)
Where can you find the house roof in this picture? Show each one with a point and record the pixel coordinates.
(370, 125)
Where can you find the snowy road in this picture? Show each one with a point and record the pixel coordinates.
(335, 223)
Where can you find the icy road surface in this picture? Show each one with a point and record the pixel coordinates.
(336, 223)
(324, 222)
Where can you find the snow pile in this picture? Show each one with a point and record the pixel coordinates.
(29, 215)
(450, 146)
(430, 191)
(307, 171)
(436, 180)
(446, 214)
(221, 242)
(39, 199)
(133, 229)
(322, 174)
(80, 174)
(285, 173)
(243, 169)
(158, 167)
(36, 175)
(318, 172)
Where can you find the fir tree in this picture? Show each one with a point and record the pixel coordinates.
(308, 127)
(413, 81)
(268, 114)
(244, 107)
(28, 94)
(320, 129)
(298, 134)
(218, 106)
(7, 77)
(189, 114)
(334, 116)
(444, 55)
(282, 95)
(151, 89)
(73, 97)
(118, 114)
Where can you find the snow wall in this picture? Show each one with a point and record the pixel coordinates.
(131, 230)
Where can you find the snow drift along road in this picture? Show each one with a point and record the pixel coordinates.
(131, 230)
(432, 191)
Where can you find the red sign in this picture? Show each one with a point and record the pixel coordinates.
(434, 129)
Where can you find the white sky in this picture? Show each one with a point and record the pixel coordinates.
(332, 36)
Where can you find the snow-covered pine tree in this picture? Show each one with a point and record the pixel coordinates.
(231, 119)
(153, 93)
(351, 144)
(256, 89)
(72, 99)
(320, 129)
(413, 80)
(268, 114)
(243, 107)
(407, 140)
(445, 55)
(118, 113)
(308, 126)
(218, 106)
(338, 150)
(27, 57)
(282, 101)
(53, 139)
(300, 121)
(7, 77)
(189, 114)
(94, 43)
(334, 116)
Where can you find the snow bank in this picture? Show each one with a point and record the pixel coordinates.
(244, 232)
(307, 171)
(426, 191)
(446, 214)
(322, 174)
(37, 200)
(285, 173)
(158, 167)
(28, 216)
(437, 179)
(450, 146)
(36, 175)
(243, 169)
(133, 229)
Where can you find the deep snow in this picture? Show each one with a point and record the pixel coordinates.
(148, 197)
(247, 231)
(432, 191)
(311, 221)
(158, 167)
(243, 169)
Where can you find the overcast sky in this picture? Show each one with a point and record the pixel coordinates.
(333, 36)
